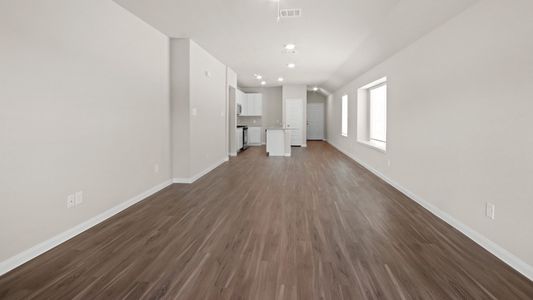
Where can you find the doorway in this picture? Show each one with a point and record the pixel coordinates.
(315, 121)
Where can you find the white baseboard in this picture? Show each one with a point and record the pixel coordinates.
(201, 174)
(29, 254)
(233, 154)
(181, 180)
(507, 257)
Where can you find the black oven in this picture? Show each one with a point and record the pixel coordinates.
(244, 137)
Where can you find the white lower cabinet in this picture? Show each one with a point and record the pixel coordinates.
(254, 135)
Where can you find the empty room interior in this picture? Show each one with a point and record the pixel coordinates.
(266, 149)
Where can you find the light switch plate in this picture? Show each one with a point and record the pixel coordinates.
(490, 211)
(79, 198)
(71, 201)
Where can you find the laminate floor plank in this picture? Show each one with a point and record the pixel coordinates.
(313, 226)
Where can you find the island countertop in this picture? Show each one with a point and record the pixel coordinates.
(278, 141)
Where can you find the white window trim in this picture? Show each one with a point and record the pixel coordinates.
(365, 140)
(380, 146)
(345, 134)
(368, 90)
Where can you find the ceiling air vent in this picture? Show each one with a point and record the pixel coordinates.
(290, 13)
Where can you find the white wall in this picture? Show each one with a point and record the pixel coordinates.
(460, 114)
(198, 98)
(231, 77)
(316, 97)
(297, 92)
(232, 121)
(208, 96)
(180, 106)
(83, 106)
(231, 115)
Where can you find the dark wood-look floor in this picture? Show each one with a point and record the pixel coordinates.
(313, 226)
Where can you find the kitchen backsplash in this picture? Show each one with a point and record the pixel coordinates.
(249, 121)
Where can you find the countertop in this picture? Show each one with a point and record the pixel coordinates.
(279, 128)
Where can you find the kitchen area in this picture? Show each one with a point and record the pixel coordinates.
(258, 121)
(249, 111)
(273, 117)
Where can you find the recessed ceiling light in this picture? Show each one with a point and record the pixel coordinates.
(290, 47)
(258, 77)
(263, 82)
(315, 89)
(280, 79)
(291, 66)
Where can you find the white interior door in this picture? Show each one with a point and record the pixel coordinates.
(315, 121)
(294, 120)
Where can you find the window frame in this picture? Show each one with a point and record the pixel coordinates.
(369, 90)
(364, 115)
(344, 113)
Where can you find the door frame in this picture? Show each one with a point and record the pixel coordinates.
(323, 106)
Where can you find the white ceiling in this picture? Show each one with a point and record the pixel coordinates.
(336, 39)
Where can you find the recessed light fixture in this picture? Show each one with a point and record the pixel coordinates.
(315, 89)
(258, 76)
(263, 82)
(290, 47)
(280, 79)
(291, 66)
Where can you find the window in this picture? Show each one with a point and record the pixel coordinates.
(344, 112)
(378, 113)
(372, 114)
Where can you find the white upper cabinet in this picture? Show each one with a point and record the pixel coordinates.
(239, 100)
(252, 104)
(256, 104)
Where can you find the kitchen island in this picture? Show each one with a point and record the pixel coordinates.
(278, 141)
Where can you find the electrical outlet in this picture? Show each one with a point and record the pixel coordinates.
(156, 168)
(490, 211)
(71, 201)
(79, 198)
